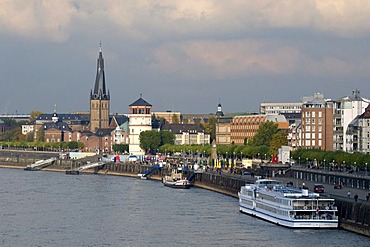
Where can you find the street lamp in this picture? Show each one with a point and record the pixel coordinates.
(265, 156)
(299, 160)
(366, 169)
(241, 155)
(324, 164)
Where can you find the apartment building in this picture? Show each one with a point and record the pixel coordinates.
(317, 123)
(346, 109)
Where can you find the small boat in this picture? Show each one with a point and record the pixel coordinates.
(287, 206)
(176, 180)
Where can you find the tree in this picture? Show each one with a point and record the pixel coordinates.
(279, 139)
(175, 119)
(210, 127)
(167, 137)
(34, 115)
(120, 148)
(72, 145)
(149, 140)
(265, 133)
(40, 133)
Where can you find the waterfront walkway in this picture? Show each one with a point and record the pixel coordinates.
(329, 188)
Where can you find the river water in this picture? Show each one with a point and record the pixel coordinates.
(54, 209)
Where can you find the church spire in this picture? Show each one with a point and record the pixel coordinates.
(100, 91)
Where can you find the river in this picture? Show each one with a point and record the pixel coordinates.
(54, 209)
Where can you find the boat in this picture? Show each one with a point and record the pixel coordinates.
(176, 180)
(283, 205)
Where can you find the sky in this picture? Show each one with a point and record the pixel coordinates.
(184, 56)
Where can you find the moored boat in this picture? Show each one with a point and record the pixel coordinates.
(176, 180)
(287, 206)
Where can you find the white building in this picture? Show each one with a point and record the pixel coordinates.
(140, 120)
(346, 109)
(188, 134)
(280, 108)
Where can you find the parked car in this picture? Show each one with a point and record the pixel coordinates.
(318, 188)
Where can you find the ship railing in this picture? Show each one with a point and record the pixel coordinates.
(315, 208)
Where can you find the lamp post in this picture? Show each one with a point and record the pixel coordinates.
(265, 156)
(366, 169)
(324, 164)
(299, 160)
(306, 161)
(241, 155)
(344, 165)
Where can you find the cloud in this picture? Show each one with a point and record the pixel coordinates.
(36, 19)
(146, 19)
(245, 58)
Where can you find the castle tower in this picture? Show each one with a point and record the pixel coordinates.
(99, 99)
(140, 120)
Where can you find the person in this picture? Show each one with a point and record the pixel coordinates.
(349, 194)
(355, 197)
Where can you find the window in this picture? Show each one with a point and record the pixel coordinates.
(308, 136)
(320, 114)
(320, 143)
(308, 128)
(320, 136)
(319, 128)
(308, 143)
(313, 114)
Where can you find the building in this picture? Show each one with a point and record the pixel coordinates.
(223, 130)
(99, 99)
(346, 109)
(120, 124)
(55, 130)
(279, 108)
(244, 128)
(358, 133)
(317, 123)
(170, 116)
(188, 134)
(140, 120)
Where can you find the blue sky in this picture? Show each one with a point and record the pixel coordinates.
(182, 56)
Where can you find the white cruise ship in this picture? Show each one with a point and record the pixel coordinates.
(287, 206)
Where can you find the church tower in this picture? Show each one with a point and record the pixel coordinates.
(99, 99)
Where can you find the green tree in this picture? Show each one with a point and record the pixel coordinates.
(210, 127)
(72, 145)
(150, 140)
(167, 137)
(120, 148)
(279, 139)
(265, 133)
